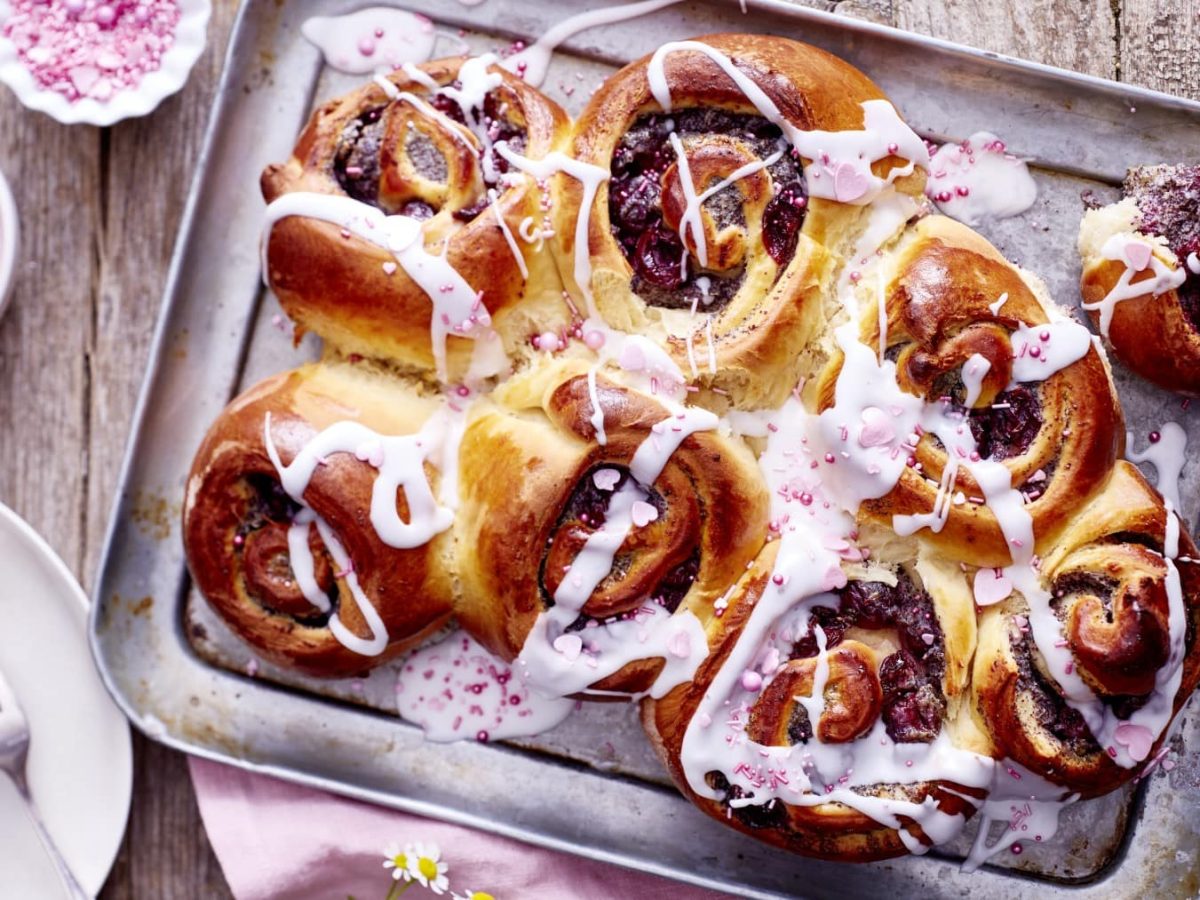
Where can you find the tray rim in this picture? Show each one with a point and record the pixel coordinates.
(153, 729)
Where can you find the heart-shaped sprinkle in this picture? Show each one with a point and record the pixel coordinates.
(835, 579)
(632, 357)
(877, 429)
(1138, 739)
(642, 513)
(606, 479)
(991, 586)
(1137, 255)
(849, 183)
(569, 645)
(680, 645)
(389, 268)
(770, 661)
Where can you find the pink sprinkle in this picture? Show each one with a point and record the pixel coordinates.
(594, 339)
(389, 268)
(1155, 437)
(751, 680)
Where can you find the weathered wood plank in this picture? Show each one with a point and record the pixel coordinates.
(1160, 45)
(147, 170)
(1075, 34)
(45, 335)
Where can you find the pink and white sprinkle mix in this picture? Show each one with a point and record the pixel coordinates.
(88, 49)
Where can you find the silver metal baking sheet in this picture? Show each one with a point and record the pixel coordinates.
(592, 786)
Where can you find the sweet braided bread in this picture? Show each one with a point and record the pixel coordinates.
(694, 403)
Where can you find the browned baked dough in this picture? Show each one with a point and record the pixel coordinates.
(1108, 575)
(761, 334)
(1059, 438)
(236, 516)
(1158, 337)
(526, 467)
(870, 671)
(340, 287)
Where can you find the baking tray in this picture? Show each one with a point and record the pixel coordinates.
(591, 786)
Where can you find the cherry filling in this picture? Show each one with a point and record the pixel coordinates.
(261, 544)
(654, 250)
(1007, 427)
(586, 511)
(772, 814)
(911, 678)
(356, 163)
(1168, 198)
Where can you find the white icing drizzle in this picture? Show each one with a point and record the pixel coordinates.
(371, 39)
(690, 220)
(532, 62)
(1193, 263)
(456, 690)
(1167, 455)
(508, 235)
(558, 662)
(974, 370)
(998, 304)
(597, 416)
(475, 82)
(400, 461)
(1137, 253)
(1040, 351)
(815, 534)
(590, 177)
(457, 307)
(840, 161)
(1016, 524)
(1026, 803)
(820, 469)
(978, 180)
(300, 555)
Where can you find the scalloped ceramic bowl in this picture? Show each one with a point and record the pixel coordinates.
(10, 236)
(154, 87)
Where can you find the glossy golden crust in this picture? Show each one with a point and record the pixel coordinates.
(1151, 335)
(940, 288)
(349, 290)
(1110, 553)
(236, 516)
(853, 696)
(522, 459)
(760, 338)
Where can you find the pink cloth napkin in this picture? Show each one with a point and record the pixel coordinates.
(276, 839)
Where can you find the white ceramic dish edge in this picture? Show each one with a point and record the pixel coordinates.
(92, 871)
(10, 241)
(190, 38)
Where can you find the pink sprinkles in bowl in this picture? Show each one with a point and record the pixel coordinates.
(90, 49)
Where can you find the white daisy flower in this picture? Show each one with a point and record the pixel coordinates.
(426, 867)
(397, 860)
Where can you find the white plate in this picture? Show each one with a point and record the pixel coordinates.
(80, 761)
(10, 234)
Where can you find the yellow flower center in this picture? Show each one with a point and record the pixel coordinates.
(400, 861)
(480, 895)
(428, 867)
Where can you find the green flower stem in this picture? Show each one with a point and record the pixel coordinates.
(397, 889)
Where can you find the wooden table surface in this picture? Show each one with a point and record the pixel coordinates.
(100, 208)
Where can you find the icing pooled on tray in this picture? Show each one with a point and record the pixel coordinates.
(456, 690)
(978, 180)
(372, 39)
(532, 62)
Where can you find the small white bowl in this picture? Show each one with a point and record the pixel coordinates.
(190, 36)
(10, 238)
